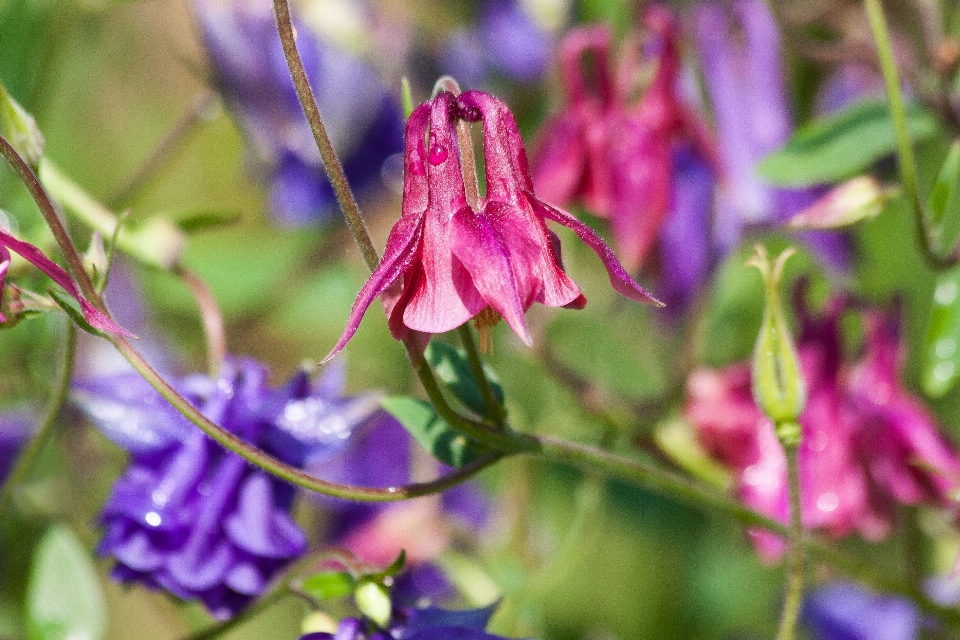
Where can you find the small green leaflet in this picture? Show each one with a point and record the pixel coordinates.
(64, 600)
(840, 146)
(941, 366)
(453, 369)
(431, 431)
(328, 584)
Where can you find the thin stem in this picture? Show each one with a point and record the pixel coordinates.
(495, 410)
(503, 441)
(666, 483)
(793, 596)
(50, 215)
(330, 160)
(213, 327)
(198, 111)
(61, 388)
(252, 611)
(284, 471)
(898, 116)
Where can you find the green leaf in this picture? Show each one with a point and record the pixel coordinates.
(840, 146)
(453, 369)
(395, 567)
(941, 366)
(431, 431)
(208, 220)
(373, 600)
(942, 195)
(329, 584)
(64, 599)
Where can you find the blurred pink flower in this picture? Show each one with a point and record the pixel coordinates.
(867, 445)
(612, 154)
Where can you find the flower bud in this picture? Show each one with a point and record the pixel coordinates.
(373, 600)
(20, 129)
(857, 199)
(778, 386)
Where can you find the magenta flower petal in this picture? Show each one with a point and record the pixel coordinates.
(619, 278)
(405, 235)
(485, 254)
(445, 297)
(33, 255)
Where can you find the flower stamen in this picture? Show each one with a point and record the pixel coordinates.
(484, 323)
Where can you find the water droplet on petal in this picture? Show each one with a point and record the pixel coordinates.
(437, 154)
(828, 502)
(153, 519)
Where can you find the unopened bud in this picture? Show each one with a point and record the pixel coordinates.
(95, 259)
(373, 600)
(778, 386)
(20, 129)
(855, 200)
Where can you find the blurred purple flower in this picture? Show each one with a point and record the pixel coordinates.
(15, 430)
(506, 41)
(187, 515)
(843, 611)
(416, 623)
(381, 454)
(739, 46)
(867, 445)
(364, 122)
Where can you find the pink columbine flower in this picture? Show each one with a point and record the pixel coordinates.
(36, 257)
(447, 260)
(614, 155)
(867, 445)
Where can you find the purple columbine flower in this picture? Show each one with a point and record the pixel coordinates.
(739, 46)
(363, 120)
(190, 517)
(844, 611)
(868, 443)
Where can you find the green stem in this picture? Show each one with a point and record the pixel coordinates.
(213, 329)
(495, 410)
(794, 590)
(28, 458)
(330, 160)
(898, 115)
(284, 471)
(244, 616)
(52, 218)
(506, 442)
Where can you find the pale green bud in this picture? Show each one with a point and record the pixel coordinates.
(373, 600)
(20, 129)
(778, 385)
(855, 200)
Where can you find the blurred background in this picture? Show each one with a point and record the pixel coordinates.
(140, 106)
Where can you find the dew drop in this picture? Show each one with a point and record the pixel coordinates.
(153, 519)
(945, 293)
(944, 371)
(945, 347)
(437, 154)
